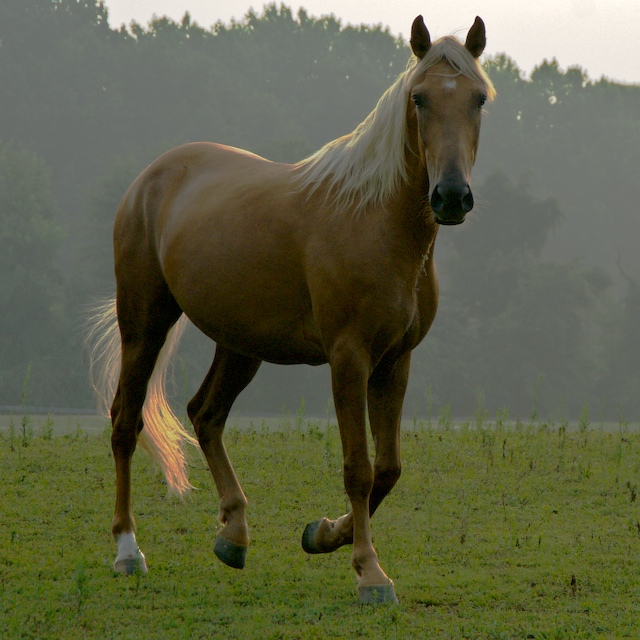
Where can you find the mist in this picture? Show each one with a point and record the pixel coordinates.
(539, 288)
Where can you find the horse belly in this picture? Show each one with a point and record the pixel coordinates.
(253, 302)
(258, 330)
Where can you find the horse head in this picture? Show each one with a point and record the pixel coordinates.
(447, 94)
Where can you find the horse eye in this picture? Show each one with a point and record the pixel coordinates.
(418, 100)
(481, 101)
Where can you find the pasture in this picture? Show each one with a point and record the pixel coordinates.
(495, 530)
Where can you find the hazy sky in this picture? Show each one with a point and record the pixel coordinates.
(599, 35)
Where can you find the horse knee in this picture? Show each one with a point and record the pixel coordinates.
(358, 478)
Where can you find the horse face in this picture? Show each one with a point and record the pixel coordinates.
(448, 109)
(448, 106)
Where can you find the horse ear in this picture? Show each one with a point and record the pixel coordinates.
(420, 38)
(476, 38)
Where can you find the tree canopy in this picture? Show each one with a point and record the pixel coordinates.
(539, 288)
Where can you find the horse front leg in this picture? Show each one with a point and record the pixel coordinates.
(349, 374)
(385, 393)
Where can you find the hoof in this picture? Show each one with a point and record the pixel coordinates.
(383, 594)
(310, 535)
(233, 555)
(129, 566)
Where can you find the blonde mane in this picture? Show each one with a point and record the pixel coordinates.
(367, 166)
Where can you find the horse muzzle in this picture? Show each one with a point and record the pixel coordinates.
(451, 200)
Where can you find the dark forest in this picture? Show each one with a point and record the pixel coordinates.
(540, 289)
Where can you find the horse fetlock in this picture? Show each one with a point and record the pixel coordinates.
(234, 523)
(367, 568)
(232, 508)
(342, 530)
(325, 536)
(122, 525)
(233, 501)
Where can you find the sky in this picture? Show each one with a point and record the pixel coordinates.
(601, 36)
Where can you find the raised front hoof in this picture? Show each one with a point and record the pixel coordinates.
(131, 566)
(232, 554)
(378, 594)
(310, 537)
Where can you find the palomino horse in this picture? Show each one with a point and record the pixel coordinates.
(327, 260)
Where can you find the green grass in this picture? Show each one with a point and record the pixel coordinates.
(494, 531)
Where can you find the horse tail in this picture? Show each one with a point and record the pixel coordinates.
(163, 437)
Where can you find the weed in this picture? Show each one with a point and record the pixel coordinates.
(429, 407)
(25, 423)
(285, 418)
(534, 413)
(445, 421)
(46, 431)
(12, 434)
(583, 421)
(81, 584)
(26, 429)
(300, 415)
(633, 491)
(480, 414)
(329, 413)
(502, 418)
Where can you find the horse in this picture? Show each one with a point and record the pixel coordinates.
(328, 260)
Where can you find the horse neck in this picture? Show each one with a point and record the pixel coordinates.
(410, 205)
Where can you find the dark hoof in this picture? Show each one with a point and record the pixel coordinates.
(232, 554)
(310, 535)
(384, 594)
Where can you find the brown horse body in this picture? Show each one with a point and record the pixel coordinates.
(309, 263)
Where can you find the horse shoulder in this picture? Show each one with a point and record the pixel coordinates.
(427, 296)
(361, 288)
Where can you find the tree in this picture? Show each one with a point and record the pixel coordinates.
(32, 311)
(95, 238)
(620, 384)
(96, 104)
(511, 324)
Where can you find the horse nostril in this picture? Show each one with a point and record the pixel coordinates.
(437, 201)
(467, 201)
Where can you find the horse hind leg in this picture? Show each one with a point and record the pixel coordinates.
(144, 322)
(230, 373)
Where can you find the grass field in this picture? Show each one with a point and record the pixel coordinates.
(494, 531)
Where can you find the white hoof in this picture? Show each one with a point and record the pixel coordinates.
(378, 594)
(130, 559)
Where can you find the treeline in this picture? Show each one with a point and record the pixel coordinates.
(539, 289)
